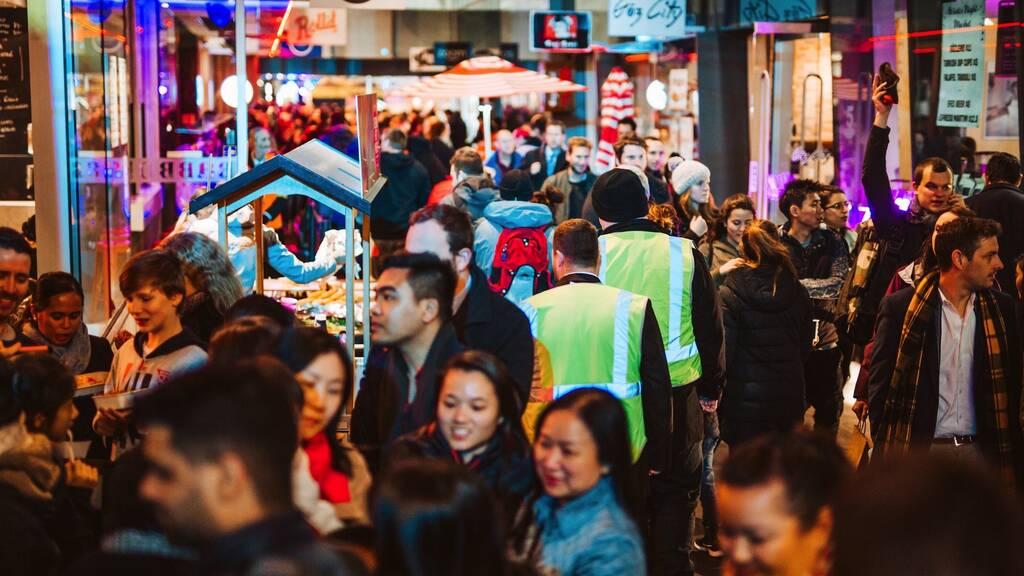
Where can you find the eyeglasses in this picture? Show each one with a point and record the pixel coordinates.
(839, 206)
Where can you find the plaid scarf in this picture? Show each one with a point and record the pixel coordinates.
(901, 402)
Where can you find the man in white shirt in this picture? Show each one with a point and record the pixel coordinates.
(947, 368)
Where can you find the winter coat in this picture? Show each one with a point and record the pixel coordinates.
(502, 214)
(28, 479)
(383, 410)
(499, 168)
(540, 155)
(406, 191)
(767, 339)
(419, 148)
(488, 321)
(576, 196)
(473, 194)
(1004, 204)
(716, 254)
(505, 466)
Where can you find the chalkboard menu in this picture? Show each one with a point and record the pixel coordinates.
(15, 111)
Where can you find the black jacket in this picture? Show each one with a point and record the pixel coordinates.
(900, 234)
(540, 155)
(201, 317)
(767, 339)
(655, 384)
(26, 546)
(407, 190)
(659, 189)
(419, 148)
(706, 318)
(487, 321)
(1004, 204)
(505, 466)
(883, 362)
(822, 267)
(281, 544)
(382, 412)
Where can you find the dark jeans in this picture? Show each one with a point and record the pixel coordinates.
(708, 504)
(675, 492)
(823, 388)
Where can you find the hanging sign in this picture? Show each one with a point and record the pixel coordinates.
(560, 31)
(1007, 40)
(962, 70)
(776, 10)
(654, 18)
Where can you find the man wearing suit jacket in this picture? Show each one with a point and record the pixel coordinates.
(947, 367)
(549, 158)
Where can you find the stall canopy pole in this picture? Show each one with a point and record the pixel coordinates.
(350, 284)
(486, 109)
(242, 110)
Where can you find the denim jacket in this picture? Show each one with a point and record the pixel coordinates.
(590, 535)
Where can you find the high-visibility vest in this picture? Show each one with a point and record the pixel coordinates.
(587, 336)
(660, 267)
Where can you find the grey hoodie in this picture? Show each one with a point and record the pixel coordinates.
(133, 369)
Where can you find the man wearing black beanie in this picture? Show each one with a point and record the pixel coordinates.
(638, 256)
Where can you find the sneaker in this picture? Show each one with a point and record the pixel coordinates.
(709, 546)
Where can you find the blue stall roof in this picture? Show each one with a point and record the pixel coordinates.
(314, 169)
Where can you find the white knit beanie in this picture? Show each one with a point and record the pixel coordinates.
(688, 173)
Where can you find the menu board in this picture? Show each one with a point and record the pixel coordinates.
(15, 112)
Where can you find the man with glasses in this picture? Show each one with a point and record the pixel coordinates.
(821, 260)
(897, 235)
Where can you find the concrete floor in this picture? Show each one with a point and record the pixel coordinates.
(707, 566)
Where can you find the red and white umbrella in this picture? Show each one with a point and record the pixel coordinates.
(616, 104)
(487, 77)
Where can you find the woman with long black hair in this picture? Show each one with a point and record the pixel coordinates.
(477, 424)
(577, 522)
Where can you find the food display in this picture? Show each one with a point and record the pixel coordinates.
(319, 304)
(90, 383)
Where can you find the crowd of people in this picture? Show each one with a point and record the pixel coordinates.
(556, 358)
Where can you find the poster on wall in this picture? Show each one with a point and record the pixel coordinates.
(653, 18)
(962, 71)
(678, 89)
(1001, 111)
(559, 31)
(421, 59)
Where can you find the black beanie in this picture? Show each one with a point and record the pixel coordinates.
(516, 185)
(619, 196)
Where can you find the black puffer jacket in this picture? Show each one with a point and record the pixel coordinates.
(767, 338)
(405, 192)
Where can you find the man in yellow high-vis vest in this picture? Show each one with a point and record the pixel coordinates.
(588, 335)
(639, 256)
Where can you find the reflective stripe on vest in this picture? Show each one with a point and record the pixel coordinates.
(662, 268)
(584, 342)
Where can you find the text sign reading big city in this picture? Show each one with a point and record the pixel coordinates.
(654, 18)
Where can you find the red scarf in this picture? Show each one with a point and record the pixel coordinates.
(333, 484)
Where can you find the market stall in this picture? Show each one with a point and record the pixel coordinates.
(337, 181)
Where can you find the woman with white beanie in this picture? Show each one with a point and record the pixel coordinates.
(691, 181)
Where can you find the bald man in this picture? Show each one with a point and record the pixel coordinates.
(505, 157)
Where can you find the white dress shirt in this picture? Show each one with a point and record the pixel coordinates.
(956, 375)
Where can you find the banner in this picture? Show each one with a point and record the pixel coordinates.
(776, 10)
(962, 71)
(654, 18)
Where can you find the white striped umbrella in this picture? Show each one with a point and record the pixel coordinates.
(616, 104)
(487, 77)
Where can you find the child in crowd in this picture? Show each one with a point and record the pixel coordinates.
(153, 285)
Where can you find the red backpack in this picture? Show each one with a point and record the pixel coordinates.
(520, 263)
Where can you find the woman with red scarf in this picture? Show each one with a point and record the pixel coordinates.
(324, 372)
